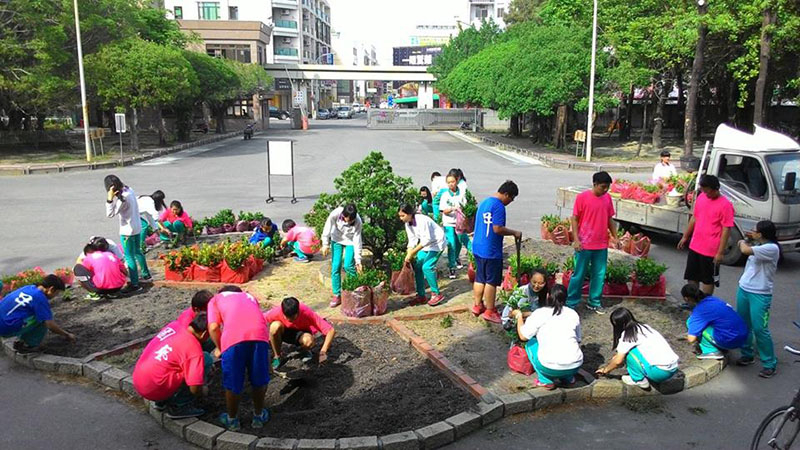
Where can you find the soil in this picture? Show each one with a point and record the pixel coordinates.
(549, 251)
(480, 349)
(372, 384)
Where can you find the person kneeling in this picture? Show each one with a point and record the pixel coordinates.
(643, 349)
(302, 241)
(100, 272)
(714, 324)
(171, 369)
(265, 233)
(26, 313)
(296, 324)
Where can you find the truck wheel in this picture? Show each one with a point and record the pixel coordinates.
(733, 256)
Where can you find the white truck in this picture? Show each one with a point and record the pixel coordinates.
(757, 173)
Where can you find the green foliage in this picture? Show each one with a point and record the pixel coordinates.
(250, 216)
(466, 43)
(518, 299)
(369, 277)
(446, 322)
(23, 278)
(209, 255)
(648, 272)
(396, 259)
(618, 271)
(470, 207)
(552, 221)
(526, 264)
(378, 194)
(236, 254)
(551, 267)
(523, 11)
(569, 264)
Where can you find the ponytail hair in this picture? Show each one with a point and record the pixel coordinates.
(558, 297)
(625, 324)
(408, 208)
(693, 293)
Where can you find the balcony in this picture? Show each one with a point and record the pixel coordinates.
(285, 51)
(289, 4)
(288, 24)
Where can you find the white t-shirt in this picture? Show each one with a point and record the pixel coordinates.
(653, 346)
(437, 184)
(559, 337)
(147, 210)
(449, 200)
(661, 171)
(337, 230)
(426, 232)
(759, 272)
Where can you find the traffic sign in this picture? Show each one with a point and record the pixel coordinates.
(119, 123)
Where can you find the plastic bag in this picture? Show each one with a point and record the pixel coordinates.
(151, 240)
(616, 289)
(625, 242)
(565, 280)
(561, 235)
(471, 272)
(357, 303)
(228, 228)
(404, 284)
(464, 224)
(509, 282)
(242, 225)
(640, 245)
(174, 275)
(203, 273)
(235, 276)
(380, 299)
(518, 360)
(657, 290)
(546, 234)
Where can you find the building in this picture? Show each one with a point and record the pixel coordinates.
(480, 10)
(352, 52)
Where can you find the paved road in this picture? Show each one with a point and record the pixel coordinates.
(46, 219)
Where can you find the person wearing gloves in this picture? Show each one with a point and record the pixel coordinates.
(121, 201)
(425, 245)
(341, 237)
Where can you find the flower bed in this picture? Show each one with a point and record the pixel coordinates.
(226, 262)
(226, 222)
(33, 276)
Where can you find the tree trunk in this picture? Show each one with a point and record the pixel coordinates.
(135, 131)
(40, 122)
(645, 105)
(761, 97)
(560, 127)
(515, 128)
(162, 128)
(694, 85)
(625, 132)
(658, 118)
(680, 106)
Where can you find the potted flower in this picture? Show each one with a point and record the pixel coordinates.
(618, 273)
(234, 268)
(648, 279)
(207, 263)
(566, 276)
(357, 293)
(549, 223)
(178, 264)
(465, 216)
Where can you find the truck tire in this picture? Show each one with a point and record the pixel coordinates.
(733, 256)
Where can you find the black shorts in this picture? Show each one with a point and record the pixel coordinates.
(489, 271)
(292, 336)
(699, 268)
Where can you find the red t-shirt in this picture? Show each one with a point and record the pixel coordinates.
(306, 320)
(710, 217)
(186, 317)
(240, 317)
(106, 270)
(593, 213)
(168, 215)
(171, 358)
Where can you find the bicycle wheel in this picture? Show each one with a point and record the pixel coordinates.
(778, 430)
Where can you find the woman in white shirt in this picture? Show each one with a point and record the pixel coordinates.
(150, 208)
(452, 200)
(341, 237)
(664, 169)
(643, 349)
(553, 335)
(425, 246)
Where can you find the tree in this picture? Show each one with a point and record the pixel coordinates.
(468, 42)
(378, 194)
(523, 11)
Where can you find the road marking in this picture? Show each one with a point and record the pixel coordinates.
(514, 157)
(175, 157)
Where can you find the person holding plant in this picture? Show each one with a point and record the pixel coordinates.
(713, 324)
(426, 206)
(452, 200)
(534, 293)
(26, 313)
(592, 220)
(664, 169)
(754, 296)
(644, 350)
(341, 236)
(150, 209)
(487, 249)
(553, 340)
(100, 272)
(426, 243)
(176, 222)
(121, 201)
(302, 240)
(264, 233)
(296, 324)
(709, 229)
(438, 186)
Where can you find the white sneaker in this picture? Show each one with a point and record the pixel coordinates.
(644, 384)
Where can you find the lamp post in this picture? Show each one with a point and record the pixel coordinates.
(315, 100)
(84, 106)
(591, 86)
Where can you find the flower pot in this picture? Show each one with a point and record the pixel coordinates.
(616, 289)
(545, 233)
(228, 228)
(509, 282)
(357, 303)
(203, 273)
(657, 290)
(380, 299)
(235, 276)
(565, 280)
(175, 275)
(242, 226)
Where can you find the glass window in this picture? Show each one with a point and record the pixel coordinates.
(782, 167)
(208, 10)
(744, 174)
(240, 108)
(233, 13)
(235, 52)
(178, 12)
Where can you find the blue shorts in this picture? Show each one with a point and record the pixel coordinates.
(250, 355)
(488, 271)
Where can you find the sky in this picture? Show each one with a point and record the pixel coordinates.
(390, 23)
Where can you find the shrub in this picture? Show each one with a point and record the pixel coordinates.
(369, 277)
(527, 264)
(250, 216)
(396, 259)
(618, 272)
(648, 272)
(470, 207)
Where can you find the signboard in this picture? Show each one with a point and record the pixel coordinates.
(119, 123)
(282, 84)
(299, 98)
(280, 157)
(390, 101)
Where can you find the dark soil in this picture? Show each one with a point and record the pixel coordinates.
(372, 384)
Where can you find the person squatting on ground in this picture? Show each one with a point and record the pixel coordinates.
(708, 229)
(592, 221)
(239, 332)
(176, 222)
(426, 243)
(487, 248)
(25, 313)
(198, 305)
(265, 233)
(121, 201)
(171, 370)
(341, 237)
(296, 324)
(713, 324)
(150, 209)
(451, 201)
(642, 349)
(553, 340)
(532, 295)
(301, 240)
(754, 297)
(100, 271)
(426, 202)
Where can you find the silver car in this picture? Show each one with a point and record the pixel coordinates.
(345, 112)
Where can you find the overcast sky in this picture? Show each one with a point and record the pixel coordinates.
(390, 23)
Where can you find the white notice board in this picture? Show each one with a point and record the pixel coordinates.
(279, 158)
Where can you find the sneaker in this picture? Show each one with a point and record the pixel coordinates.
(147, 278)
(452, 274)
(459, 266)
(301, 261)
(548, 386)
(23, 348)
(417, 300)
(306, 356)
(336, 300)
(491, 315)
(644, 384)
(477, 310)
(712, 355)
(436, 300)
(93, 297)
(261, 419)
(599, 310)
(745, 361)
(767, 373)
(131, 289)
(228, 423)
(159, 406)
(184, 412)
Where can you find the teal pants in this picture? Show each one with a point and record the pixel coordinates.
(437, 213)
(132, 247)
(454, 243)
(639, 368)
(267, 242)
(425, 270)
(32, 334)
(547, 376)
(754, 309)
(146, 231)
(707, 342)
(594, 263)
(295, 246)
(341, 252)
(177, 228)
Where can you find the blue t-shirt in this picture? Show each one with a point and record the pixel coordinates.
(259, 234)
(730, 331)
(486, 243)
(25, 306)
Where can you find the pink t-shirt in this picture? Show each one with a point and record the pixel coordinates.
(710, 217)
(167, 214)
(306, 237)
(307, 320)
(240, 317)
(106, 270)
(171, 358)
(593, 213)
(186, 317)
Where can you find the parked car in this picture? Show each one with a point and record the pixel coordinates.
(345, 112)
(333, 112)
(357, 108)
(278, 113)
(323, 114)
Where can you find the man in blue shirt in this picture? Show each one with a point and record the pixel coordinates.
(487, 248)
(714, 323)
(26, 313)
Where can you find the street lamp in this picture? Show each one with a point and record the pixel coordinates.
(591, 86)
(84, 106)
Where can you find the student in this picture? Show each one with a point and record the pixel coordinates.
(462, 180)
(534, 293)
(713, 323)
(296, 324)
(709, 229)
(172, 368)
(342, 237)
(452, 200)
(26, 313)
(176, 222)
(426, 205)
(754, 296)
(150, 209)
(487, 249)
(438, 186)
(121, 201)
(302, 240)
(265, 233)
(100, 272)
(199, 305)
(238, 329)
(663, 169)
(592, 221)
(553, 335)
(643, 349)
(425, 245)
(104, 245)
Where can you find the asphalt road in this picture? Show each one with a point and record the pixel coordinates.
(47, 218)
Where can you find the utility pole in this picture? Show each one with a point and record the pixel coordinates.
(591, 86)
(84, 106)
